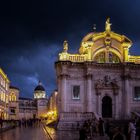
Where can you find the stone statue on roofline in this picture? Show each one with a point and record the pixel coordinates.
(108, 25)
(65, 46)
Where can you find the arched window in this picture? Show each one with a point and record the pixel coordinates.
(14, 97)
(101, 57)
(113, 58)
(10, 98)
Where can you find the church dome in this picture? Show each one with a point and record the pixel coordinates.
(39, 87)
(101, 47)
(106, 46)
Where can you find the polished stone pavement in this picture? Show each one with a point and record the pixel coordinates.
(24, 134)
(41, 133)
(69, 135)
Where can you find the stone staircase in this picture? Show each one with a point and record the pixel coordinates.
(71, 121)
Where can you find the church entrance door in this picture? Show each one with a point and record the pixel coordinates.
(106, 107)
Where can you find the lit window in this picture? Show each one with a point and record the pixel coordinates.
(137, 93)
(14, 98)
(76, 92)
(100, 58)
(9, 98)
(112, 57)
(6, 98)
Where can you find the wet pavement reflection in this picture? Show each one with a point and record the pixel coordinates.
(23, 133)
(40, 133)
(62, 135)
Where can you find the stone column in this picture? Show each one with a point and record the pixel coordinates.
(126, 54)
(99, 111)
(116, 105)
(126, 92)
(63, 92)
(94, 101)
(89, 92)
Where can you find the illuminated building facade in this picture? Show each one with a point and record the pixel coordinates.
(4, 92)
(34, 108)
(27, 108)
(39, 92)
(52, 107)
(13, 103)
(103, 79)
(14, 107)
(41, 100)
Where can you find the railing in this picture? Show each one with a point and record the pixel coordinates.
(70, 116)
(135, 59)
(72, 57)
(69, 120)
(77, 58)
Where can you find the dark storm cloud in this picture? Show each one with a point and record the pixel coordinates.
(27, 69)
(32, 34)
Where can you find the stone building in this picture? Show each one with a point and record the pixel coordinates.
(14, 107)
(52, 107)
(4, 95)
(36, 107)
(103, 79)
(52, 102)
(41, 100)
(27, 108)
(13, 103)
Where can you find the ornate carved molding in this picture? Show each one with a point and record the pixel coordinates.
(106, 83)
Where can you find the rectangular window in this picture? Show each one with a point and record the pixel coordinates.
(13, 111)
(137, 93)
(76, 92)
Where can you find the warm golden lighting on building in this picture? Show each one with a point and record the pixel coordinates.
(96, 43)
(52, 116)
(4, 93)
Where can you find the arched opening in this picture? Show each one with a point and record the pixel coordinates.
(101, 57)
(106, 107)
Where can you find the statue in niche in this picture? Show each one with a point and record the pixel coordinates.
(99, 83)
(107, 80)
(108, 25)
(65, 46)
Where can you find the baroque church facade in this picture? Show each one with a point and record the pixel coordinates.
(103, 79)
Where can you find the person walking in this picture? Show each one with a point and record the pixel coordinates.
(138, 129)
(101, 127)
(82, 133)
(132, 130)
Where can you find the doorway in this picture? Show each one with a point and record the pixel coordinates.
(107, 107)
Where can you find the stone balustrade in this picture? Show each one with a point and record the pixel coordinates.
(70, 116)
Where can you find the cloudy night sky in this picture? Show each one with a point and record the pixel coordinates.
(32, 34)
